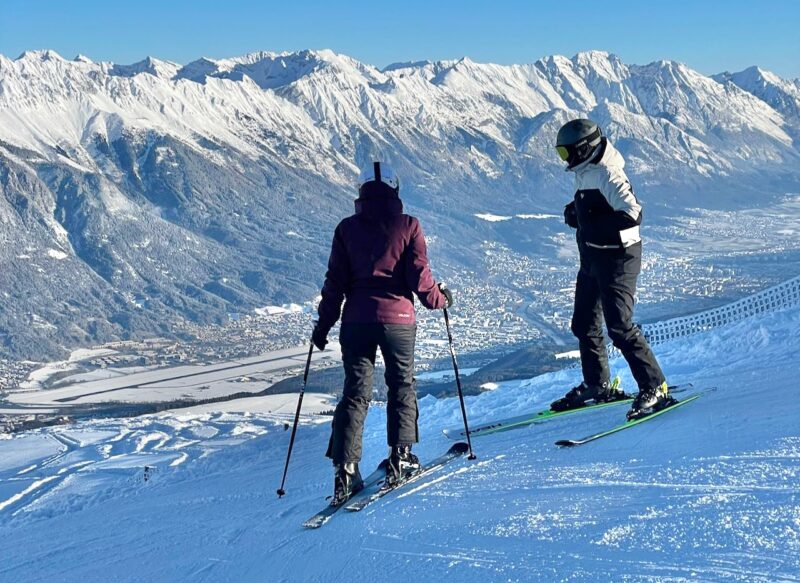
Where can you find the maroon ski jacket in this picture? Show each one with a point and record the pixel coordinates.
(378, 261)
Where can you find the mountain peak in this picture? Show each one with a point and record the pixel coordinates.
(406, 65)
(272, 70)
(781, 94)
(40, 55)
(593, 56)
(756, 74)
(667, 69)
(155, 67)
(604, 64)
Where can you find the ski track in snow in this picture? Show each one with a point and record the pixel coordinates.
(710, 492)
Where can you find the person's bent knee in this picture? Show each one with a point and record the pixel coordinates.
(624, 338)
(579, 329)
(356, 399)
(583, 330)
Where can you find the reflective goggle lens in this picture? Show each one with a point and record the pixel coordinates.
(562, 152)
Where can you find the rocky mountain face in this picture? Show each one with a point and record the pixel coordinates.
(134, 196)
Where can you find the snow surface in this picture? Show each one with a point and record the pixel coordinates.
(489, 217)
(440, 375)
(149, 385)
(280, 406)
(492, 218)
(37, 378)
(708, 493)
(276, 310)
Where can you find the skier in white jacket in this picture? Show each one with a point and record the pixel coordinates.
(606, 214)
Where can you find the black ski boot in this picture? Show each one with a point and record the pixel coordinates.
(346, 482)
(400, 465)
(649, 401)
(580, 396)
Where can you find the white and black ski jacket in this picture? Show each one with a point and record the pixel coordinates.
(608, 213)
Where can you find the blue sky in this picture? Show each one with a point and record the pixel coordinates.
(710, 36)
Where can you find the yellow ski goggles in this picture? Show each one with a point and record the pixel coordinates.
(563, 153)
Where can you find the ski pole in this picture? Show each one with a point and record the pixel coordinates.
(458, 383)
(281, 491)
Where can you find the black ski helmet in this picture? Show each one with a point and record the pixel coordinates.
(576, 141)
(378, 177)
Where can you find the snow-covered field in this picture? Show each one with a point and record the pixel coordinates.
(146, 385)
(442, 375)
(707, 493)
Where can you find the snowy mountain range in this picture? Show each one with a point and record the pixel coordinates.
(137, 195)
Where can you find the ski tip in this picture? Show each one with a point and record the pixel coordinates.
(459, 448)
(566, 443)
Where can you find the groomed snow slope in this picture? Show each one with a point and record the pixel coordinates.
(708, 493)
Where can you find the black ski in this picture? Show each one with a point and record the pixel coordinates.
(377, 491)
(327, 513)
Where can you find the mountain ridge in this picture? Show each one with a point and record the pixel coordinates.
(175, 192)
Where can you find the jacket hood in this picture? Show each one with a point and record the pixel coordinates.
(608, 155)
(378, 207)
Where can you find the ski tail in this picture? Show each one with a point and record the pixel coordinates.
(324, 515)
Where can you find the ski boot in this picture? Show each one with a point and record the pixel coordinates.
(400, 465)
(649, 401)
(346, 482)
(579, 396)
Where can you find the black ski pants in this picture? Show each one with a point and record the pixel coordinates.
(605, 289)
(359, 349)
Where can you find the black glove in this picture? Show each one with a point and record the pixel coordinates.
(319, 337)
(448, 295)
(571, 215)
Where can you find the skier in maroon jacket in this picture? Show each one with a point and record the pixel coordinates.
(378, 263)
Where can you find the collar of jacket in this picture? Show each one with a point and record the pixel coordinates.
(379, 206)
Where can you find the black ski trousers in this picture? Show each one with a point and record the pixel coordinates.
(605, 289)
(360, 343)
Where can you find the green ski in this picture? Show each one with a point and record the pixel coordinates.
(538, 417)
(627, 424)
(523, 420)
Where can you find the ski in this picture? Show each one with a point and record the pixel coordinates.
(378, 491)
(539, 417)
(629, 424)
(327, 513)
(523, 420)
